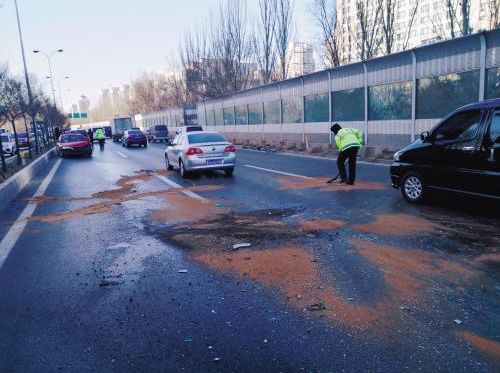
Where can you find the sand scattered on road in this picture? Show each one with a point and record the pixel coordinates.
(90, 210)
(182, 208)
(292, 270)
(319, 183)
(321, 225)
(397, 225)
(486, 346)
(491, 258)
(408, 272)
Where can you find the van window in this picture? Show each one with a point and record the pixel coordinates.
(161, 128)
(495, 128)
(461, 126)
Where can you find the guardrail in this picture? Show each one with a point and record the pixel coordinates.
(391, 99)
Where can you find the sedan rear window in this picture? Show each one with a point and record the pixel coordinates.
(193, 129)
(200, 138)
(161, 128)
(136, 132)
(72, 138)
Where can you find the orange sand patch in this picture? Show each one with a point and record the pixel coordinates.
(90, 210)
(321, 225)
(185, 209)
(292, 270)
(294, 183)
(407, 271)
(396, 224)
(488, 347)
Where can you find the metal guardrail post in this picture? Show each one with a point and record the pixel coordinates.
(330, 119)
(281, 113)
(413, 95)
(366, 101)
(304, 136)
(263, 112)
(482, 70)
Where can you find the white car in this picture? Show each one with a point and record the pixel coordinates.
(8, 143)
(200, 151)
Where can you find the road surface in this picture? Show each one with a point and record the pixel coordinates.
(114, 264)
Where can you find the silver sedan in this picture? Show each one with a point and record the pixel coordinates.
(200, 151)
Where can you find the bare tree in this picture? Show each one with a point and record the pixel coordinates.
(264, 39)
(12, 106)
(325, 14)
(457, 21)
(409, 27)
(284, 27)
(494, 14)
(368, 16)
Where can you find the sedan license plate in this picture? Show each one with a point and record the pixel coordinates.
(211, 162)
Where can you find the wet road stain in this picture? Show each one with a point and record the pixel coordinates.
(181, 208)
(488, 347)
(185, 209)
(293, 183)
(397, 224)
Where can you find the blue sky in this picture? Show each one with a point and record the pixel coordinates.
(106, 42)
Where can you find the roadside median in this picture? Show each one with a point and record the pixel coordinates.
(10, 188)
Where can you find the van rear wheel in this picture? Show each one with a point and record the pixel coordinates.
(412, 187)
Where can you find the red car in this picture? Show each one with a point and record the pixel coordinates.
(134, 137)
(73, 144)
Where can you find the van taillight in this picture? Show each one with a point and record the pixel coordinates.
(193, 151)
(230, 149)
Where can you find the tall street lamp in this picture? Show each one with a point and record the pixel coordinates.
(28, 86)
(58, 81)
(49, 59)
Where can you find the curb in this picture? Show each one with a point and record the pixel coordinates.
(11, 187)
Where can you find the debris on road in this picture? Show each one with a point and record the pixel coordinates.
(241, 245)
(316, 307)
(105, 283)
(217, 359)
(182, 271)
(457, 321)
(218, 204)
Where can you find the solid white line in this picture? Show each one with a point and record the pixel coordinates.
(308, 156)
(280, 172)
(121, 154)
(10, 239)
(177, 186)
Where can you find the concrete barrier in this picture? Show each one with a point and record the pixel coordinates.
(11, 187)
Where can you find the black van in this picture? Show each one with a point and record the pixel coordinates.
(460, 154)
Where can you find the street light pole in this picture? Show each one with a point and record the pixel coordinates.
(28, 86)
(49, 58)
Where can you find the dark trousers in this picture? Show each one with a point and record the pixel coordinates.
(351, 155)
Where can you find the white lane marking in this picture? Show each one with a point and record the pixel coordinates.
(307, 156)
(280, 172)
(120, 154)
(10, 239)
(177, 186)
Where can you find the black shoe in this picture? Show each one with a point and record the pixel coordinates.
(350, 183)
(342, 181)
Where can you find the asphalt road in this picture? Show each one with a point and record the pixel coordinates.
(118, 265)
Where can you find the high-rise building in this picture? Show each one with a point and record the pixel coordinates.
(84, 104)
(300, 59)
(416, 23)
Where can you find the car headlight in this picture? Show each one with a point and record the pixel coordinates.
(397, 155)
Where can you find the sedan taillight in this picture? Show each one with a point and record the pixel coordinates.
(193, 151)
(230, 149)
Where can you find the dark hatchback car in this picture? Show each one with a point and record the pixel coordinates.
(158, 132)
(74, 144)
(460, 154)
(134, 137)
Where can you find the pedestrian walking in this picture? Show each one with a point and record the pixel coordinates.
(91, 137)
(57, 133)
(349, 141)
